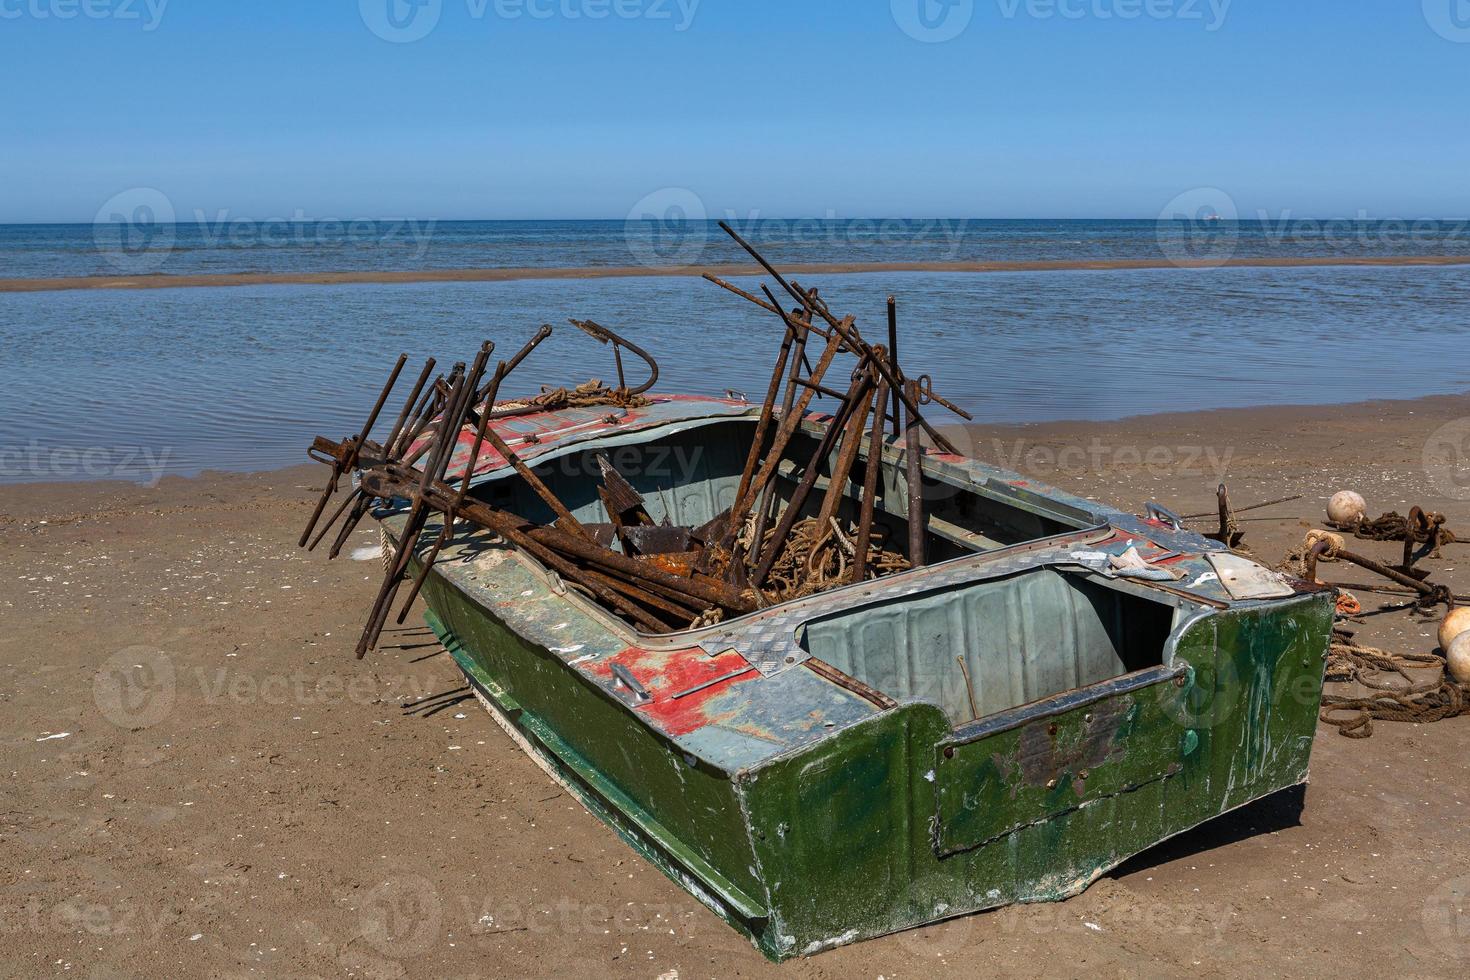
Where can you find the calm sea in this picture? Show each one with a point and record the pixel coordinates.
(134, 243)
(134, 384)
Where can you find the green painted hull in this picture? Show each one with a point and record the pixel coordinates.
(900, 818)
(1001, 726)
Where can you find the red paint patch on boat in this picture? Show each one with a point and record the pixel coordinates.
(668, 674)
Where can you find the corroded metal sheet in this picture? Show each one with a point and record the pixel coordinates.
(988, 789)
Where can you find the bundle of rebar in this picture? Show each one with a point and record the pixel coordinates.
(768, 548)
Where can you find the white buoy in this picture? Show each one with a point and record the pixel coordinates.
(1456, 623)
(1458, 657)
(1347, 508)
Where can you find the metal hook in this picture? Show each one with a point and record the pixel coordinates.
(603, 335)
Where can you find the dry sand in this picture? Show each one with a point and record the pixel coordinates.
(165, 281)
(267, 806)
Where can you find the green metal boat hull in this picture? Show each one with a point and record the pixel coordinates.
(1062, 687)
(902, 819)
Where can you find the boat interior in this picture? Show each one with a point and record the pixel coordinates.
(974, 651)
(690, 477)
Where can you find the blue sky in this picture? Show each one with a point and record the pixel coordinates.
(542, 108)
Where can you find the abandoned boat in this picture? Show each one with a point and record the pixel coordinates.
(1060, 687)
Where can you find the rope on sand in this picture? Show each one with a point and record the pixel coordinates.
(1395, 527)
(1419, 704)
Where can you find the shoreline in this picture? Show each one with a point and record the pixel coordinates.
(392, 277)
(1240, 422)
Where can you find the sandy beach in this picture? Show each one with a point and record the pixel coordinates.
(165, 281)
(266, 805)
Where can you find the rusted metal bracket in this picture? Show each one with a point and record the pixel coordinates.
(603, 335)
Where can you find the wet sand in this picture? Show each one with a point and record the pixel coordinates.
(266, 804)
(164, 281)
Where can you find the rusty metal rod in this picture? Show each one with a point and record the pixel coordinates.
(809, 480)
(564, 516)
(408, 405)
(1246, 510)
(392, 480)
(1423, 588)
(915, 479)
(327, 526)
(359, 511)
(784, 433)
(893, 359)
(847, 330)
(766, 511)
(448, 437)
(646, 596)
(870, 485)
(571, 573)
(437, 410)
(821, 390)
(536, 341)
(429, 406)
(852, 442)
(447, 533)
(768, 408)
(337, 472)
(769, 304)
